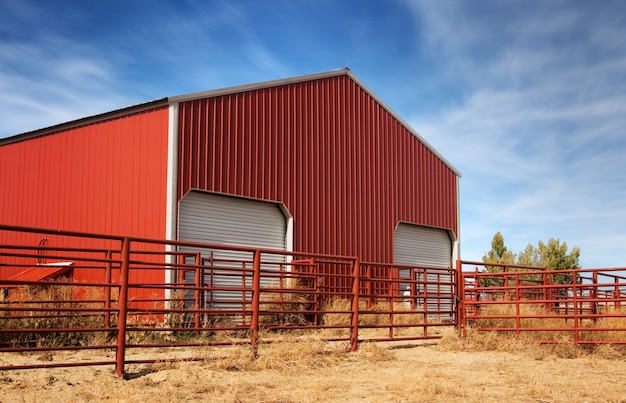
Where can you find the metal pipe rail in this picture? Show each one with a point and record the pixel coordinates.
(583, 305)
(128, 294)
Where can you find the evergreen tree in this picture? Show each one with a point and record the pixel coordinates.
(552, 256)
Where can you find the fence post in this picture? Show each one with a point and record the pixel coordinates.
(354, 330)
(392, 274)
(518, 310)
(256, 291)
(595, 304)
(315, 286)
(122, 309)
(370, 287)
(197, 303)
(460, 296)
(107, 289)
(426, 294)
(576, 315)
(547, 285)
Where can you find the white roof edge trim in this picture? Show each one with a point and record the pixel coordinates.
(60, 264)
(310, 77)
(260, 85)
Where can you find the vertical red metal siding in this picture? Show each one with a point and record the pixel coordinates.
(107, 177)
(346, 169)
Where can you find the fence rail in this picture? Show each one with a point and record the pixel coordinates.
(63, 290)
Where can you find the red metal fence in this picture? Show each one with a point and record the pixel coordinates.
(210, 295)
(585, 306)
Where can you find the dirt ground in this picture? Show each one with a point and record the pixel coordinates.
(318, 372)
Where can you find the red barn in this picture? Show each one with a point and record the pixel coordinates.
(315, 163)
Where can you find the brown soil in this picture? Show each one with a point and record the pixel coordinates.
(447, 371)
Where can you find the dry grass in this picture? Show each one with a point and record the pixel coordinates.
(297, 306)
(46, 309)
(290, 308)
(485, 367)
(540, 343)
(375, 320)
(317, 371)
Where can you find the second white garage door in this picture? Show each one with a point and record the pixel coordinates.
(418, 245)
(424, 247)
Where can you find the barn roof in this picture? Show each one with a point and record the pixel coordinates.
(218, 92)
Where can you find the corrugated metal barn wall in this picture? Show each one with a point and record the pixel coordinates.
(106, 177)
(346, 169)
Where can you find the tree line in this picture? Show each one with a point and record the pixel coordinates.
(552, 255)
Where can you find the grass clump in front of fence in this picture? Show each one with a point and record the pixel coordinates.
(375, 320)
(176, 321)
(609, 326)
(339, 312)
(288, 308)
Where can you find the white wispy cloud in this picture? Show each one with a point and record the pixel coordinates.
(48, 78)
(57, 93)
(538, 131)
(54, 74)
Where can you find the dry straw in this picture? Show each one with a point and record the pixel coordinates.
(541, 333)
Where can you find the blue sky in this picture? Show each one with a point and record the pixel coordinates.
(526, 98)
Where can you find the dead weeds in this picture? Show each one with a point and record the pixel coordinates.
(453, 369)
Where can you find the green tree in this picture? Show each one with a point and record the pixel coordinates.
(529, 257)
(500, 254)
(553, 255)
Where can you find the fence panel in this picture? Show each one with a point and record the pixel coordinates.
(400, 302)
(44, 308)
(584, 306)
(65, 293)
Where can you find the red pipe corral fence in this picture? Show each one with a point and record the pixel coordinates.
(80, 291)
(585, 306)
(131, 300)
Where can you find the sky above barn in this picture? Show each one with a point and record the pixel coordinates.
(527, 99)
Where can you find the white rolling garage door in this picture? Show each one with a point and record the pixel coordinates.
(226, 220)
(424, 247)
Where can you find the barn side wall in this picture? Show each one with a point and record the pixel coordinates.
(106, 177)
(345, 168)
